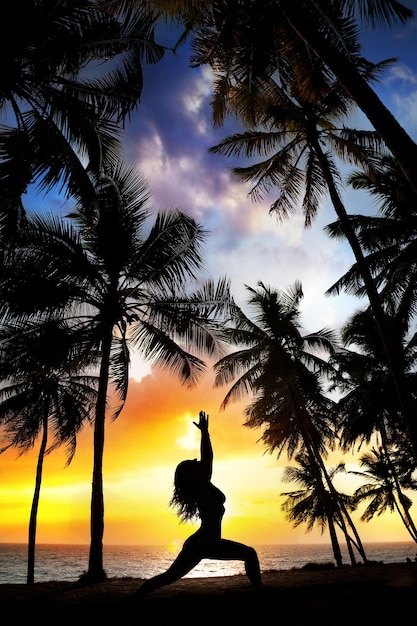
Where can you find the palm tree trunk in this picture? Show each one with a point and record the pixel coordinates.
(403, 509)
(327, 504)
(335, 511)
(35, 504)
(344, 514)
(398, 141)
(96, 571)
(404, 519)
(391, 351)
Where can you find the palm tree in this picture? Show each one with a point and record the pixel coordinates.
(281, 368)
(71, 74)
(42, 394)
(292, 135)
(343, 64)
(384, 490)
(124, 283)
(389, 244)
(367, 410)
(367, 406)
(305, 505)
(248, 42)
(231, 38)
(389, 239)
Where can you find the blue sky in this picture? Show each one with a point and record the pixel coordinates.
(169, 137)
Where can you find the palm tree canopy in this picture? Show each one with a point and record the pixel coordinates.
(273, 335)
(280, 366)
(379, 489)
(389, 238)
(40, 366)
(71, 74)
(306, 505)
(368, 403)
(118, 272)
(293, 137)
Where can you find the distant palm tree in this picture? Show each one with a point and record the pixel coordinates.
(367, 410)
(126, 284)
(384, 489)
(42, 394)
(305, 505)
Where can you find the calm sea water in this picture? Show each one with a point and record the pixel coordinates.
(68, 562)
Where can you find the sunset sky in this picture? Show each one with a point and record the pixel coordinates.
(168, 138)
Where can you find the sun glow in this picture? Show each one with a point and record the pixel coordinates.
(189, 441)
(143, 446)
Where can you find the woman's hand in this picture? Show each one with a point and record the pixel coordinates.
(203, 422)
(206, 451)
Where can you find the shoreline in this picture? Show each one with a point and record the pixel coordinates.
(376, 593)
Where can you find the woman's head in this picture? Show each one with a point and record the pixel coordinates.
(187, 480)
(187, 474)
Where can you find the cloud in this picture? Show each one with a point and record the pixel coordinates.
(402, 73)
(169, 138)
(406, 107)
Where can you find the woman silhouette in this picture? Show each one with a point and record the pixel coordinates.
(196, 496)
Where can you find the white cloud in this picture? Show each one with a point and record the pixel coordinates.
(402, 73)
(406, 107)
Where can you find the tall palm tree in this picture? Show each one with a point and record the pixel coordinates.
(71, 74)
(124, 282)
(389, 243)
(42, 394)
(292, 135)
(384, 490)
(251, 41)
(389, 239)
(281, 368)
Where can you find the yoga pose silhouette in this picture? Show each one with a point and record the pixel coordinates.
(196, 496)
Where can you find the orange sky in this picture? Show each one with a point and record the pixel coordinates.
(154, 433)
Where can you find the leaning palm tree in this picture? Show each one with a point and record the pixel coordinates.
(383, 490)
(389, 244)
(72, 74)
(248, 42)
(389, 238)
(282, 368)
(43, 394)
(127, 283)
(305, 505)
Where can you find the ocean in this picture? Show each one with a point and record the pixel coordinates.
(67, 562)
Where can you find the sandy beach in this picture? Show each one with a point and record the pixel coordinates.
(373, 594)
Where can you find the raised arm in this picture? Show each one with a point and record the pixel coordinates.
(206, 450)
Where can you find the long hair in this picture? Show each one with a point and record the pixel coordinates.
(185, 490)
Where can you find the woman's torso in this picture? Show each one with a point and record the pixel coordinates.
(210, 503)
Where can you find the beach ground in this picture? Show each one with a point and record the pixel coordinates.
(362, 595)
